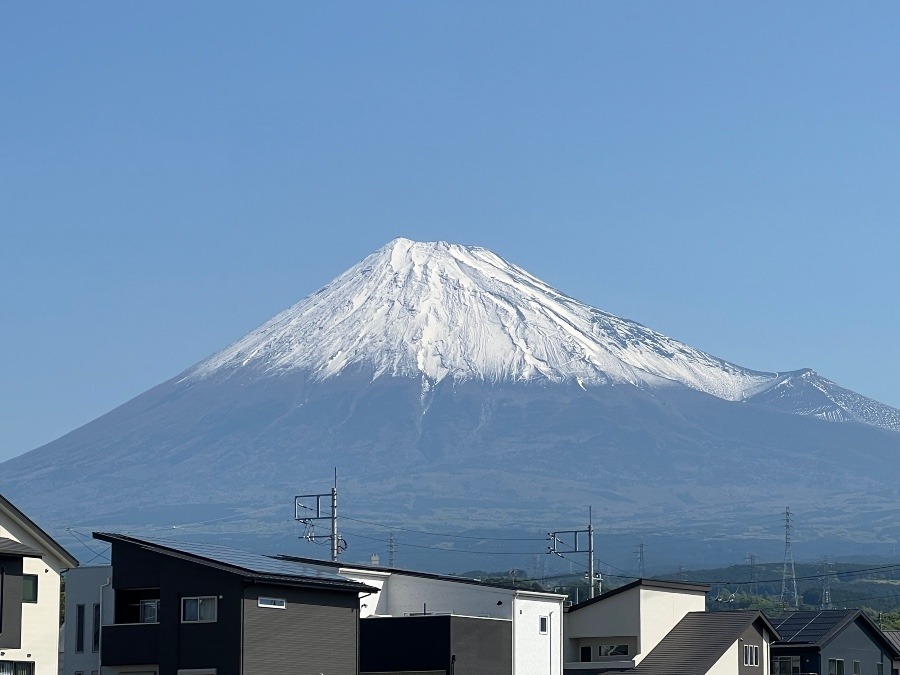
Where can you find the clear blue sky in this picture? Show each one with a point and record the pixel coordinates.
(173, 174)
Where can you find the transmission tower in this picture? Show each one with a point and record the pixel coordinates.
(639, 551)
(788, 575)
(827, 569)
(392, 550)
(751, 559)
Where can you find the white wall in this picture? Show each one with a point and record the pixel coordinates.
(40, 620)
(660, 611)
(728, 662)
(536, 653)
(83, 586)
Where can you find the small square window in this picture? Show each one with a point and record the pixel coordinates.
(29, 588)
(544, 625)
(199, 609)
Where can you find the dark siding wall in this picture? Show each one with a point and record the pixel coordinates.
(185, 645)
(751, 636)
(316, 633)
(11, 598)
(855, 644)
(404, 643)
(481, 646)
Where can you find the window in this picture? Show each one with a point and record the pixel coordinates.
(149, 611)
(543, 625)
(16, 668)
(274, 603)
(198, 610)
(29, 588)
(856, 668)
(95, 636)
(613, 650)
(879, 668)
(585, 654)
(79, 629)
(751, 655)
(786, 665)
(835, 666)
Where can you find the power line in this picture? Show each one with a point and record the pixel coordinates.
(445, 550)
(442, 534)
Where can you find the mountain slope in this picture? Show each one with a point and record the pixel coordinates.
(453, 390)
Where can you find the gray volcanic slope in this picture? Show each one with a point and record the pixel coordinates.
(455, 391)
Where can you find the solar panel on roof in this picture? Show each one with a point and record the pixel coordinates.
(252, 562)
(808, 626)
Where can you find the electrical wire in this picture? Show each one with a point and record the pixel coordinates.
(441, 549)
(442, 534)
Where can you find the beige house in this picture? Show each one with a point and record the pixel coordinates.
(31, 563)
(617, 629)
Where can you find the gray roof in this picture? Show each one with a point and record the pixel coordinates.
(893, 637)
(819, 627)
(39, 534)
(250, 565)
(645, 583)
(410, 573)
(11, 547)
(696, 642)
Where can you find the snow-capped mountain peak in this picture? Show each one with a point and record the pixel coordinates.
(439, 310)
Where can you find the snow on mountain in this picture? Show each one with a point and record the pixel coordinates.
(805, 392)
(438, 310)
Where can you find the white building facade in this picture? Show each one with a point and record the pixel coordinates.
(537, 638)
(31, 565)
(89, 604)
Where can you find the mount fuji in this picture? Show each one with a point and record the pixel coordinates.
(451, 387)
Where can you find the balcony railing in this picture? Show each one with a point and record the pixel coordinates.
(130, 644)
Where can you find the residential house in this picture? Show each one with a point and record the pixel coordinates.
(617, 629)
(445, 623)
(87, 603)
(831, 642)
(713, 643)
(31, 563)
(894, 637)
(181, 608)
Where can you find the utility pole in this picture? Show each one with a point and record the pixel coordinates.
(310, 508)
(569, 541)
(788, 575)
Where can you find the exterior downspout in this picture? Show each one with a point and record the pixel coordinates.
(100, 651)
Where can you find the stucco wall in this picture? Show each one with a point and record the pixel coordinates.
(660, 611)
(40, 620)
(537, 653)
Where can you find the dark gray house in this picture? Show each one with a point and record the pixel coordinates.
(186, 608)
(438, 644)
(831, 642)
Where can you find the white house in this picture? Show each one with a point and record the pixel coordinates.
(620, 627)
(31, 563)
(89, 601)
(534, 619)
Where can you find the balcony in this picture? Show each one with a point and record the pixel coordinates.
(130, 644)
